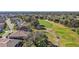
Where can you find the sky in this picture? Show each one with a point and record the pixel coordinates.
(39, 5)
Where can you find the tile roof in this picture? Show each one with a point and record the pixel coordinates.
(19, 34)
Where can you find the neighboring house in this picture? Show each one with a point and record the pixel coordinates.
(4, 42)
(16, 20)
(1, 26)
(2, 20)
(2, 23)
(19, 35)
(24, 28)
(39, 27)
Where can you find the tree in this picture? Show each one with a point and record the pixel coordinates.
(40, 39)
(41, 42)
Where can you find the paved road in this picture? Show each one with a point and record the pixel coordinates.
(10, 25)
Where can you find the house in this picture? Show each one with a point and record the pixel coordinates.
(5, 42)
(19, 35)
(2, 20)
(1, 26)
(2, 23)
(17, 21)
(24, 28)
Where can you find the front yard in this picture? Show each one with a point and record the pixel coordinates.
(1, 33)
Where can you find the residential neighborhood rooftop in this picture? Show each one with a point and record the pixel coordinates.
(2, 20)
(19, 34)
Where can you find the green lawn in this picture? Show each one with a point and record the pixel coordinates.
(68, 37)
(45, 23)
(2, 33)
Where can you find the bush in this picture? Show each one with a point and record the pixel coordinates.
(40, 42)
(41, 39)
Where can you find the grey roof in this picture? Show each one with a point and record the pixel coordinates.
(2, 20)
(1, 25)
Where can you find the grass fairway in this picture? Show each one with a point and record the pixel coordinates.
(68, 37)
(45, 23)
